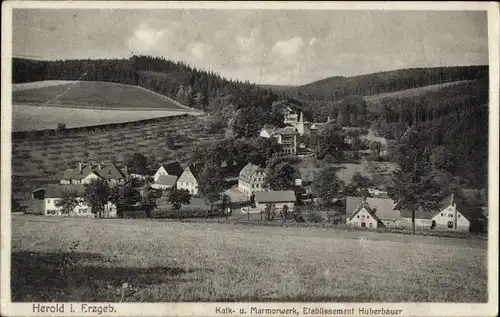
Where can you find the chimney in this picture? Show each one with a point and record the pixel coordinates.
(451, 201)
(99, 166)
(301, 118)
(125, 169)
(328, 119)
(79, 167)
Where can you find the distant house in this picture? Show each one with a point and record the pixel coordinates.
(372, 212)
(278, 199)
(287, 137)
(290, 116)
(85, 173)
(189, 179)
(457, 215)
(51, 194)
(164, 182)
(252, 178)
(172, 168)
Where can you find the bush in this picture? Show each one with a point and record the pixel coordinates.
(314, 216)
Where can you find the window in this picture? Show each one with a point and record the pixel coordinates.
(358, 216)
(450, 224)
(458, 216)
(450, 215)
(442, 214)
(371, 225)
(363, 225)
(48, 200)
(367, 217)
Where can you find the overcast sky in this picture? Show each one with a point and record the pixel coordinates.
(270, 47)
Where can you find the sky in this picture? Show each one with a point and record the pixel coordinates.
(279, 47)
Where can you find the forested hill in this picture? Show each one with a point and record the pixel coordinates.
(336, 88)
(195, 88)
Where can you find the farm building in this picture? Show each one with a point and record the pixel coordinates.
(172, 168)
(164, 182)
(51, 194)
(252, 178)
(85, 173)
(278, 199)
(189, 179)
(456, 214)
(372, 212)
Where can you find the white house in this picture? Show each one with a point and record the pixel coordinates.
(278, 199)
(51, 194)
(164, 182)
(363, 212)
(364, 217)
(85, 173)
(172, 168)
(287, 137)
(453, 215)
(189, 179)
(251, 179)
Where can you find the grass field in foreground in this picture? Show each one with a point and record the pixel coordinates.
(172, 261)
(92, 94)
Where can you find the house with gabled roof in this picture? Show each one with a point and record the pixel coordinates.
(278, 199)
(172, 168)
(372, 212)
(286, 137)
(251, 179)
(189, 178)
(51, 194)
(164, 182)
(85, 173)
(457, 215)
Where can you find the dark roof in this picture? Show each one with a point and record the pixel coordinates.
(56, 190)
(275, 196)
(419, 214)
(351, 203)
(105, 171)
(173, 168)
(248, 171)
(196, 169)
(383, 208)
(168, 180)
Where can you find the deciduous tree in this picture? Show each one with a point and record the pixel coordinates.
(68, 202)
(96, 195)
(326, 185)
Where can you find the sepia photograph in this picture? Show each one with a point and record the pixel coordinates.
(248, 155)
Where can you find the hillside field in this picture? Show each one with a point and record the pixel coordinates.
(40, 158)
(93, 94)
(173, 261)
(40, 117)
(375, 103)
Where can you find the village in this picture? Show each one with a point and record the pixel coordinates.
(247, 193)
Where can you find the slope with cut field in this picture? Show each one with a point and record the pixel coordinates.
(375, 103)
(96, 95)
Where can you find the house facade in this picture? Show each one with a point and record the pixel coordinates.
(251, 179)
(51, 195)
(189, 179)
(85, 173)
(363, 217)
(362, 212)
(278, 199)
(170, 168)
(452, 217)
(290, 117)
